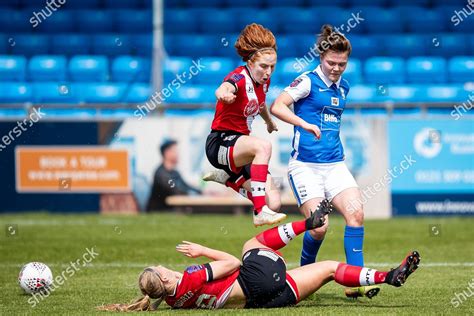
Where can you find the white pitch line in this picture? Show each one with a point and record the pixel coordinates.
(289, 265)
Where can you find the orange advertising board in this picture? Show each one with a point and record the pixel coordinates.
(71, 169)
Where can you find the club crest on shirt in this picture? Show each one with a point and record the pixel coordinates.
(334, 101)
(194, 268)
(295, 82)
(251, 109)
(236, 77)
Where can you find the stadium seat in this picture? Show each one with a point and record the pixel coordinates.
(70, 44)
(3, 44)
(448, 44)
(422, 3)
(201, 3)
(403, 93)
(174, 66)
(179, 21)
(364, 46)
(111, 44)
(263, 17)
(62, 20)
(273, 92)
(316, 3)
(225, 45)
(29, 44)
(353, 72)
(298, 20)
(111, 4)
(286, 46)
(197, 45)
(332, 15)
(361, 93)
(215, 70)
(84, 4)
(283, 3)
(376, 3)
(47, 68)
(54, 92)
(379, 20)
(289, 68)
(15, 92)
(444, 93)
(426, 70)
(12, 68)
(133, 21)
(461, 69)
(101, 92)
(421, 20)
(211, 21)
(95, 21)
(193, 94)
(243, 3)
(88, 68)
(15, 21)
(304, 44)
(460, 17)
(131, 69)
(137, 92)
(142, 44)
(12, 4)
(384, 70)
(404, 45)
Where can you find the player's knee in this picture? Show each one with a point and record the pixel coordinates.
(264, 148)
(356, 218)
(319, 233)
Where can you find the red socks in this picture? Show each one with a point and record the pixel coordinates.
(348, 275)
(278, 237)
(258, 179)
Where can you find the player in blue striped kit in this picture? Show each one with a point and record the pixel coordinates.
(316, 168)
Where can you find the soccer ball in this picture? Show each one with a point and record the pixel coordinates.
(35, 277)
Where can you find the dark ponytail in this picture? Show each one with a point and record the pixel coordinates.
(329, 39)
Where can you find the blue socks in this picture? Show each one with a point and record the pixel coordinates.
(353, 242)
(310, 249)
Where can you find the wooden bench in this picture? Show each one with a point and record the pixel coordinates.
(221, 204)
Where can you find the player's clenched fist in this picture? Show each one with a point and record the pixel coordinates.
(190, 249)
(225, 96)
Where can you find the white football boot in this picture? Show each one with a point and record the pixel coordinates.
(218, 175)
(267, 217)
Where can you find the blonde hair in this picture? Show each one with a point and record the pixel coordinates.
(330, 39)
(254, 40)
(151, 287)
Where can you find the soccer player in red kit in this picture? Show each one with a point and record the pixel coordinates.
(261, 280)
(242, 160)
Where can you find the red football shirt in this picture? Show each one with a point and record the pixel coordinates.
(238, 116)
(196, 289)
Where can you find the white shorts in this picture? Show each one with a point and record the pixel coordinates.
(318, 180)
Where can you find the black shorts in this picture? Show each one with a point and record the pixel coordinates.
(264, 281)
(219, 149)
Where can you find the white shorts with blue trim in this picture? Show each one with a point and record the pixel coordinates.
(318, 180)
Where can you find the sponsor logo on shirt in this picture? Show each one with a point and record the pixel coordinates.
(251, 109)
(330, 118)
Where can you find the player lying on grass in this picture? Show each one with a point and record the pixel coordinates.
(261, 280)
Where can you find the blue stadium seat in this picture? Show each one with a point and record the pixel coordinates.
(421, 20)
(202, 3)
(3, 44)
(179, 21)
(111, 4)
(174, 66)
(54, 92)
(286, 46)
(225, 45)
(304, 44)
(298, 20)
(142, 44)
(95, 21)
(15, 92)
(263, 17)
(404, 93)
(101, 92)
(364, 46)
(316, 3)
(376, 3)
(134, 21)
(197, 45)
(332, 15)
(253, 4)
(362, 93)
(12, 4)
(444, 93)
(12, 68)
(459, 18)
(290, 68)
(405, 45)
(62, 20)
(426, 70)
(70, 44)
(461, 69)
(471, 43)
(88, 68)
(47, 68)
(215, 70)
(384, 70)
(423, 3)
(111, 44)
(212, 21)
(273, 92)
(193, 94)
(379, 20)
(131, 69)
(173, 4)
(15, 21)
(29, 44)
(284, 3)
(84, 4)
(448, 44)
(353, 72)
(138, 92)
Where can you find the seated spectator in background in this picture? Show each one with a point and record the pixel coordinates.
(167, 180)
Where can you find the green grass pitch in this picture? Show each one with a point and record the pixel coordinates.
(127, 244)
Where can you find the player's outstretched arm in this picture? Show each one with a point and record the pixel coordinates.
(223, 263)
(226, 93)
